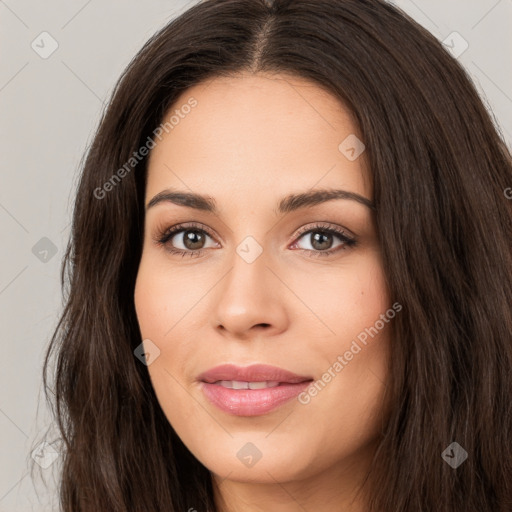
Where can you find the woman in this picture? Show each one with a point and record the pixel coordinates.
(290, 274)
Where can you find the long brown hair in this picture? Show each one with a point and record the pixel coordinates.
(439, 170)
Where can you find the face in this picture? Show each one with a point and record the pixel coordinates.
(250, 276)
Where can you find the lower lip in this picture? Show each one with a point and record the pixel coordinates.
(251, 402)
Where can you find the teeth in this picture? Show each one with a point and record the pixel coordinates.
(262, 385)
(239, 384)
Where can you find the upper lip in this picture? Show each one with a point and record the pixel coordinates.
(253, 373)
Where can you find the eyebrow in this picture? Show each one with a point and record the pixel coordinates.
(287, 204)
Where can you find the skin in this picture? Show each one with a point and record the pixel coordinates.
(251, 140)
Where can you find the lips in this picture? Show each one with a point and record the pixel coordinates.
(251, 390)
(254, 373)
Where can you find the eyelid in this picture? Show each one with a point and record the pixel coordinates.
(162, 232)
(324, 225)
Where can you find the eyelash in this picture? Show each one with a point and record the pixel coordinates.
(164, 236)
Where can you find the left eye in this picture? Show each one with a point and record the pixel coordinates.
(321, 240)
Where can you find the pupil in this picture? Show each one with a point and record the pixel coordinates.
(321, 241)
(193, 240)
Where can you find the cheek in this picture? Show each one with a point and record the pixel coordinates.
(150, 300)
(364, 323)
(355, 357)
(166, 305)
(345, 301)
(160, 313)
(369, 295)
(164, 297)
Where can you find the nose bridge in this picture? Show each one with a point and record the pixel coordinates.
(247, 282)
(249, 266)
(249, 295)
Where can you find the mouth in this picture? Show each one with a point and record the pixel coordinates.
(240, 384)
(251, 391)
(255, 373)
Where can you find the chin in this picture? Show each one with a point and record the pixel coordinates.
(258, 457)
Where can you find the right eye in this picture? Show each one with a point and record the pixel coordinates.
(191, 237)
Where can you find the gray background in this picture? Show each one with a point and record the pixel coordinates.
(50, 108)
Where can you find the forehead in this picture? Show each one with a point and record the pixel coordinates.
(249, 135)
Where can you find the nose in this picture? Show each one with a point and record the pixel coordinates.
(250, 300)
